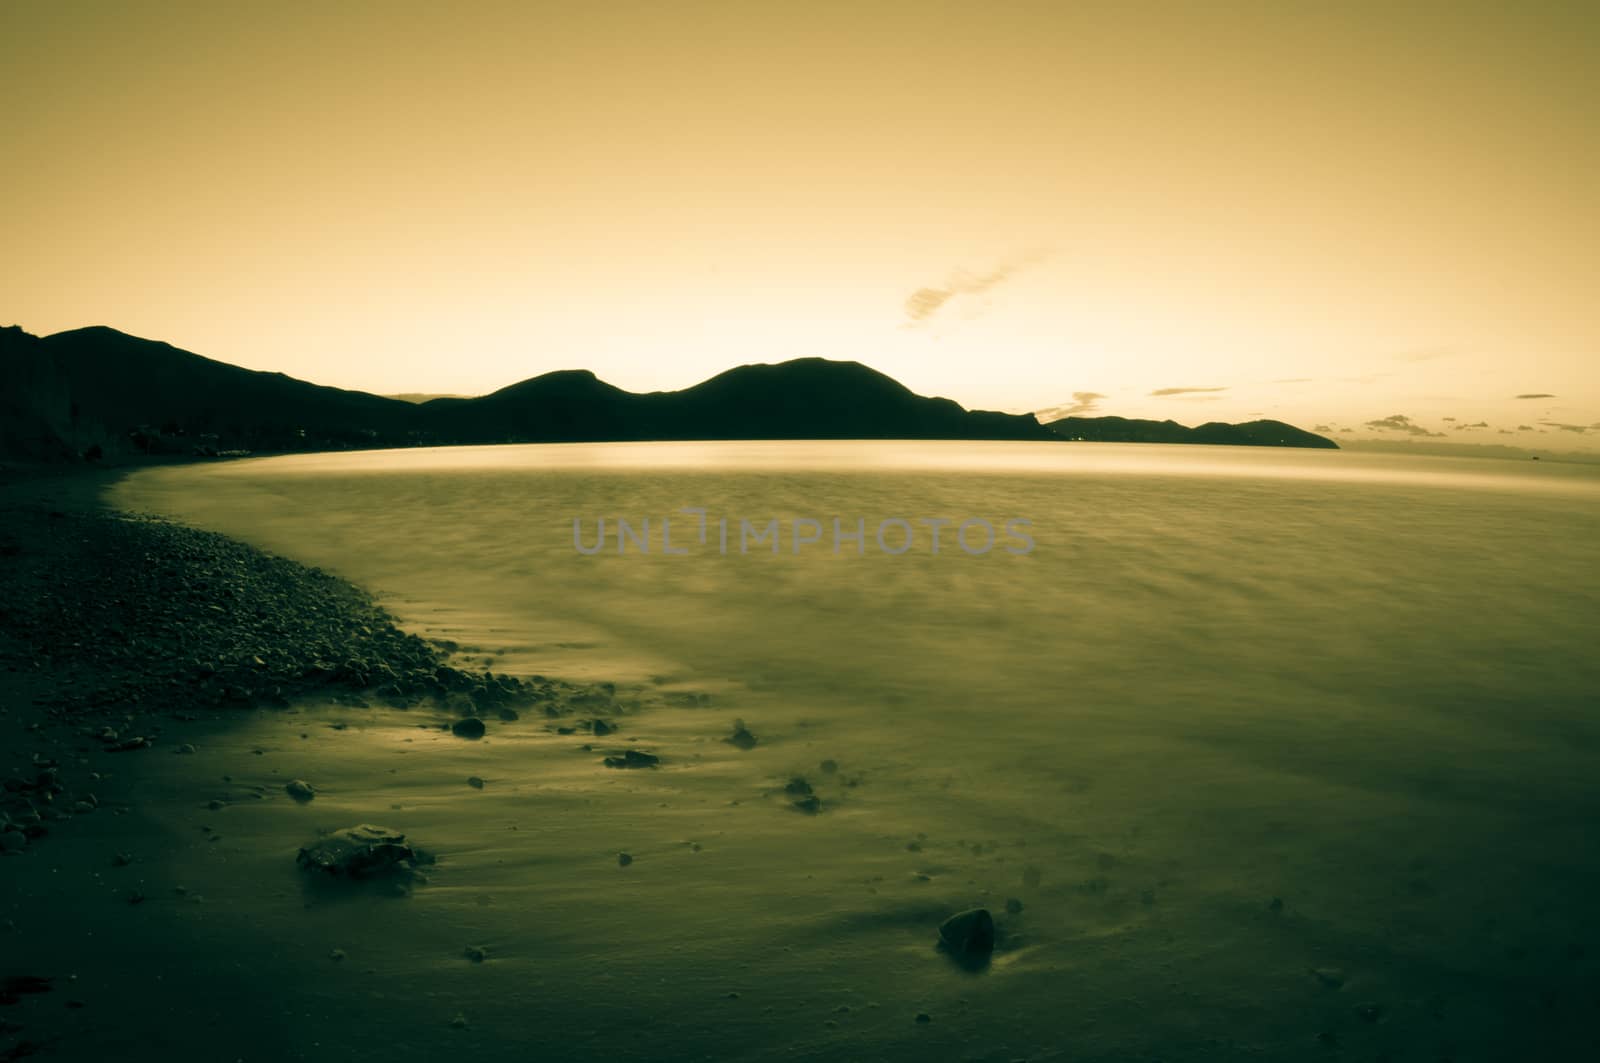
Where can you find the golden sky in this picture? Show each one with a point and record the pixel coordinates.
(1331, 213)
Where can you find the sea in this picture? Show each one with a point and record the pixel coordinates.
(1252, 753)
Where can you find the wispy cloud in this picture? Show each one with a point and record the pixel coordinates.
(1082, 402)
(1399, 422)
(1163, 392)
(1536, 395)
(1578, 428)
(924, 303)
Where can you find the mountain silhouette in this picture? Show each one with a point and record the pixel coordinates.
(70, 392)
(1216, 433)
(100, 391)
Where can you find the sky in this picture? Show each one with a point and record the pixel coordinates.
(1330, 214)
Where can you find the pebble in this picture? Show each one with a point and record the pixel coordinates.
(474, 782)
(300, 790)
(471, 727)
(633, 758)
(623, 859)
(969, 935)
(476, 953)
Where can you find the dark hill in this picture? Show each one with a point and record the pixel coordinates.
(1133, 430)
(808, 398)
(96, 387)
(128, 384)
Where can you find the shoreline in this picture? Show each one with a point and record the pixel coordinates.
(111, 630)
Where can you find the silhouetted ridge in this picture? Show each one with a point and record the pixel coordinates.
(96, 387)
(1133, 430)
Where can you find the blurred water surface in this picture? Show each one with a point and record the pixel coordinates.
(1361, 685)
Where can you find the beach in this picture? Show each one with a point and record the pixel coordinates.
(1295, 817)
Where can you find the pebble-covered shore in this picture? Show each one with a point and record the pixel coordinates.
(111, 623)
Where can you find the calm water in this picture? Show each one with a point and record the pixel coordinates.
(1361, 685)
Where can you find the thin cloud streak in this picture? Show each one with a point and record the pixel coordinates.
(924, 303)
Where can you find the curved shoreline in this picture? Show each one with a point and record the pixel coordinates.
(111, 622)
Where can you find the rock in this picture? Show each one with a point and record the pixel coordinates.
(474, 782)
(128, 744)
(471, 727)
(923, 1018)
(476, 953)
(810, 804)
(601, 728)
(459, 1022)
(633, 758)
(1013, 906)
(741, 738)
(797, 785)
(13, 841)
(624, 859)
(336, 955)
(828, 767)
(300, 790)
(186, 747)
(362, 851)
(507, 714)
(968, 936)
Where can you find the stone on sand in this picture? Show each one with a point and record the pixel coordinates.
(633, 758)
(741, 738)
(471, 727)
(362, 851)
(968, 935)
